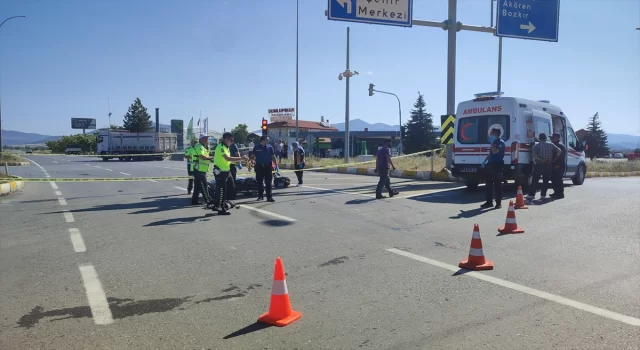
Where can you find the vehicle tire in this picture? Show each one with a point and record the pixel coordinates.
(581, 173)
(472, 185)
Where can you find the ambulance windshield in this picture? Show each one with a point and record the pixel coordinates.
(476, 129)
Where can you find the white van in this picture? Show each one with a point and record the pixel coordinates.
(521, 121)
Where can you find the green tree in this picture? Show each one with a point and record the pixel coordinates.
(114, 127)
(240, 133)
(419, 132)
(86, 142)
(137, 118)
(597, 138)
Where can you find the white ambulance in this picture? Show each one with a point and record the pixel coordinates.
(521, 121)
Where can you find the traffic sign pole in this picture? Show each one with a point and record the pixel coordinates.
(346, 108)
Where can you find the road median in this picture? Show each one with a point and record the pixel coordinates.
(10, 184)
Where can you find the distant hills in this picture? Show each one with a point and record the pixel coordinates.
(619, 142)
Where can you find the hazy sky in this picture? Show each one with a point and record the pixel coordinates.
(233, 60)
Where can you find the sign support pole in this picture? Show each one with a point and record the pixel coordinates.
(346, 109)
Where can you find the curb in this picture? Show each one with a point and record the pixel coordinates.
(443, 175)
(16, 163)
(612, 174)
(10, 187)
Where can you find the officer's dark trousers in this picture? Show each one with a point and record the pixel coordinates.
(222, 187)
(494, 182)
(383, 181)
(264, 177)
(200, 185)
(299, 176)
(190, 185)
(557, 181)
(543, 171)
(231, 186)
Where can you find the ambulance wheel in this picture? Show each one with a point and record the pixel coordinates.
(581, 173)
(472, 185)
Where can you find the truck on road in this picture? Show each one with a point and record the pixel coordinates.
(122, 144)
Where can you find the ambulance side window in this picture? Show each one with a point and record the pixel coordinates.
(503, 121)
(543, 127)
(572, 140)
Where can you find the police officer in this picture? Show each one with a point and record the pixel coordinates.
(265, 157)
(494, 164)
(201, 168)
(222, 170)
(558, 164)
(190, 156)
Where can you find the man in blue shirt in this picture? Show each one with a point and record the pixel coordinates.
(494, 165)
(265, 157)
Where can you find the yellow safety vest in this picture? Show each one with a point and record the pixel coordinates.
(192, 157)
(202, 165)
(218, 159)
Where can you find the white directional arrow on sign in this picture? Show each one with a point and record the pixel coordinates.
(344, 3)
(529, 27)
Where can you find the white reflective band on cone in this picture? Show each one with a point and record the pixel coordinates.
(476, 235)
(476, 252)
(279, 288)
(510, 221)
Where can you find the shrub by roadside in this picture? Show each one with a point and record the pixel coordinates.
(11, 158)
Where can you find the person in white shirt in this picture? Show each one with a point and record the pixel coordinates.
(251, 145)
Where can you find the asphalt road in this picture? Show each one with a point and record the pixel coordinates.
(128, 265)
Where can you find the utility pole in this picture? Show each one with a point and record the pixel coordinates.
(3, 22)
(297, 46)
(347, 74)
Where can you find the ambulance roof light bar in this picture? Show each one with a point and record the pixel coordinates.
(489, 94)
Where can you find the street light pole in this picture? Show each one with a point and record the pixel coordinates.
(346, 108)
(297, 45)
(3, 22)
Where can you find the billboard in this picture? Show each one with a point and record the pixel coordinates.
(83, 123)
(281, 114)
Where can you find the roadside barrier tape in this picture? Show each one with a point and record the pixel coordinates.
(106, 179)
(112, 155)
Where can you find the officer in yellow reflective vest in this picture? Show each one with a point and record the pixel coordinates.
(201, 169)
(222, 170)
(190, 156)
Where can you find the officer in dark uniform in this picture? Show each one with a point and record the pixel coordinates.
(265, 156)
(559, 165)
(494, 166)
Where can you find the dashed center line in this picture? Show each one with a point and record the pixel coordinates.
(125, 173)
(108, 169)
(62, 201)
(58, 193)
(338, 191)
(53, 185)
(53, 161)
(95, 295)
(281, 217)
(77, 241)
(526, 290)
(153, 180)
(68, 217)
(180, 188)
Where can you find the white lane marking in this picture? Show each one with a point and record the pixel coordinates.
(95, 166)
(68, 217)
(58, 193)
(108, 169)
(48, 176)
(125, 173)
(338, 191)
(77, 241)
(282, 217)
(153, 180)
(62, 201)
(95, 295)
(53, 161)
(432, 193)
(53, 185)
(526, 290)
(180, 188)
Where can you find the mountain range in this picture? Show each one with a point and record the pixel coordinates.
(9, 137)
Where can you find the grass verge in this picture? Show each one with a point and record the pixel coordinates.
(10, 157)
(423, 163)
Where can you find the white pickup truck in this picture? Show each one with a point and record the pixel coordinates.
(73, 149)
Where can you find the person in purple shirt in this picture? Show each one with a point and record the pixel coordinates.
(383, 164)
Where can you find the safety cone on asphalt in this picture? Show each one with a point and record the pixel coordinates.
(520, 200)
(476, 260)
(280, 313)
(510, 224)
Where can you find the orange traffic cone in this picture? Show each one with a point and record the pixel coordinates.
(520, 200)
(476, 260)
(510, 225)
(280, 313)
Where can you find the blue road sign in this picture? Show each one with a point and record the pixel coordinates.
(388, 12)
(528, 19)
